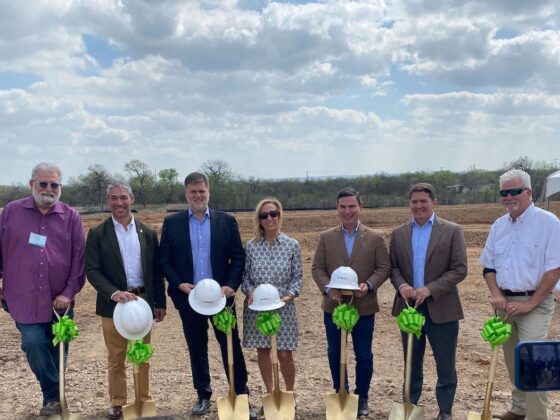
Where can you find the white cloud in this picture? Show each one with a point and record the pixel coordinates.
(277, 89)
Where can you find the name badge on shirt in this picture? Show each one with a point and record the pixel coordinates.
(37, 240)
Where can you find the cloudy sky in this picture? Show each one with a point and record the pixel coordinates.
(278, 88)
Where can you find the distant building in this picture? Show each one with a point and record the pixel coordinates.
(462, 188)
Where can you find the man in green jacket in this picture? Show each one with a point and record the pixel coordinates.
(121, 264)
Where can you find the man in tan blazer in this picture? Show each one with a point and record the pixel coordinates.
(428, 259)
(359, 247)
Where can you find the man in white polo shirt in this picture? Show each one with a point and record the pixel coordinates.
(521, 262)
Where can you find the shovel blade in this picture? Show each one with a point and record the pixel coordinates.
(238, 409)
(139, 409)
(66, 416)
(406, 411)
(281, 407)
(342, 406)
(475, 416)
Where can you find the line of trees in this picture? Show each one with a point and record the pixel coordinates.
(232, 192)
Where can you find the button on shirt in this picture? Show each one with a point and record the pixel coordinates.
(522, 251)
(131, 254)
(33, 275)
(420, 240)
(200, 235)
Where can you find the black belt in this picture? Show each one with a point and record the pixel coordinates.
(137, 290)
(510, 293)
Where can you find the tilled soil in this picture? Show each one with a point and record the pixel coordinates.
(171, 379)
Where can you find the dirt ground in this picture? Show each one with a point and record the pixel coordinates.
(171, 379)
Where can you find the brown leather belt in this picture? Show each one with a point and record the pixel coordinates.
(137, 290)
(510, 293)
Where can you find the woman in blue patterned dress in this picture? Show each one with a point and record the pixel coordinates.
(274, 258)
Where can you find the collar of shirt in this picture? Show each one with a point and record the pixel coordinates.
(278, 239)
(354, 231)
(430, 220)
(131, 225)
(206, 214)
(29, 203)
(523, 216)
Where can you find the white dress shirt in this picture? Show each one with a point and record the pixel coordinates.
(521, 251)
(130, 253)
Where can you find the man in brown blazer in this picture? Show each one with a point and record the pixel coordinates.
(428, 259)
(359, 247)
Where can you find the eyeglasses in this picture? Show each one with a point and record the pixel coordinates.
(512, 191)
(263, 215)
(45, 184)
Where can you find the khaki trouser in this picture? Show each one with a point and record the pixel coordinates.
(532, 325)
(116, 355)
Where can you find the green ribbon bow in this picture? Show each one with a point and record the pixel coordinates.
(345, 316)
(64, 330)
(224, 321)
(268, 323)
(139, 352)
(411, 321)
(496, 331)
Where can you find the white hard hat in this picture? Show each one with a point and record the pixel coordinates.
(207, 298)
(266, 298)
(133, 319)
(344, 278)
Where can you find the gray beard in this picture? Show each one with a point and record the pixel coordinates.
(44, 200)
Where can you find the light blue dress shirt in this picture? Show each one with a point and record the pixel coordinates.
(200, 234)
(420, 240)
(350, 238)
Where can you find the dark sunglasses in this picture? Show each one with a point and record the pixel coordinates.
(263, 215)
(45, 184)
(512, 191)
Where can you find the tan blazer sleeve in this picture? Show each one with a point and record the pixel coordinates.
(319, 267)
(382, 264)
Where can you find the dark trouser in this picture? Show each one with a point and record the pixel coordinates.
(195, 328)
(362, 337)
(443, 340)
(42, 356)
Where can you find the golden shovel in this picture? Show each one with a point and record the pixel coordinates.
(489, 386)
(407, 410)
(341, 405)
(279, 405)
(65, 414)
(232, 407)
(138, 408)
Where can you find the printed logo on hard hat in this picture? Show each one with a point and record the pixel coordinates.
(133, 319)
(266, 298)
(207, 298)
(344, 278)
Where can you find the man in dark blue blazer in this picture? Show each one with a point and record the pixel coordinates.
(196, 244)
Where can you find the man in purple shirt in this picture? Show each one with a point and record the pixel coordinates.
(42, 267)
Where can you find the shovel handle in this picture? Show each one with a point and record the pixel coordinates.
(230, 367)
(274, 354)
(491, 376)
(408, 369)
(61, 381)
(342, 382)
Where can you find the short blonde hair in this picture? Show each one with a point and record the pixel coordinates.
(258, 231)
